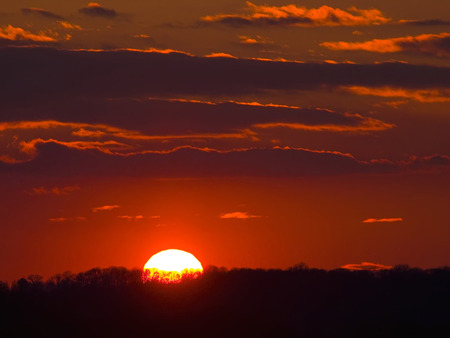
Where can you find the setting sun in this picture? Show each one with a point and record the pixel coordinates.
(170, 266)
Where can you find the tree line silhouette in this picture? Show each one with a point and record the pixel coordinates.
(297, 302)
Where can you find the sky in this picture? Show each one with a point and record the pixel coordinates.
(254, 134)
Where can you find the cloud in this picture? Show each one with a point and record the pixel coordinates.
(131, 218)
(238, 215)
(162, 124)
(16, 36)
(220, 55)
(366, 266)
(95, 9)
(53, 191)
(435, 159)
(419, 95)
(256, 42)
(292, 15)
(383, 220)
(41, 12)
(59, 160)
(147, 74)
(105, 208)
(430, 22)
(437, 45)
(66, 219)
(148, 120)
(68, 25)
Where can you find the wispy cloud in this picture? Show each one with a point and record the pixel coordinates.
(238, 215)
(68, 25)
(105, 208)
(432, 44)
(426, 22)
(292, 15)
(41, 12)
(95, 9)
(131, 218)
(66, 219)
(257, 42)
(53, 191)
(383, 220)
(419, 95)
(366, 266)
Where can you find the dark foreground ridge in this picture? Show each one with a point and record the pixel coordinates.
(297, 302)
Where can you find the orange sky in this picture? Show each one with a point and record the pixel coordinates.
(251, 134)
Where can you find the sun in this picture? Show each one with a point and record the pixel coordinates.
(171, 266)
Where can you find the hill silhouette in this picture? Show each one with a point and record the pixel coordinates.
(297, 302)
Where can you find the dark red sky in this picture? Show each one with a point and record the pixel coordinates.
(258, 134)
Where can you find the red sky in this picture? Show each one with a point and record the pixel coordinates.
(251, 134)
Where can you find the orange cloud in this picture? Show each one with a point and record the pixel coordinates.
(383, 220)
(238, 215)
(12, 33)
(68, 25)
(420, 95)
(366, 124)
(98, 130)
(131, 218)
(105, 208)
(110, 138)
(257, 41)
(366, 266)
(293, 15)
(433, 44)
(54, 191)
(220, 55)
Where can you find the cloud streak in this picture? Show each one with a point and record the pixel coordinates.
(105, 208)
(131, 218)
(146, 74)
(238, 215)
(366, 266)
(292, 15)
(383, 220)
(41, 12)
(58, 160)
(423, 96)
(66, 219)
(437, 45)
(54, 191)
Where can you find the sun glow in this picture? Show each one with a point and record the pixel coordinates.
(171, 266)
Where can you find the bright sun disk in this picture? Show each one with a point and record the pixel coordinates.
(171, 266)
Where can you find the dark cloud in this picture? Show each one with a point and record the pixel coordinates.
(61, 161)
(53, 191)
(430, 22)
(41, 12)
(174, 117)
(95, 9)
(433, 160)
(41, 74)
